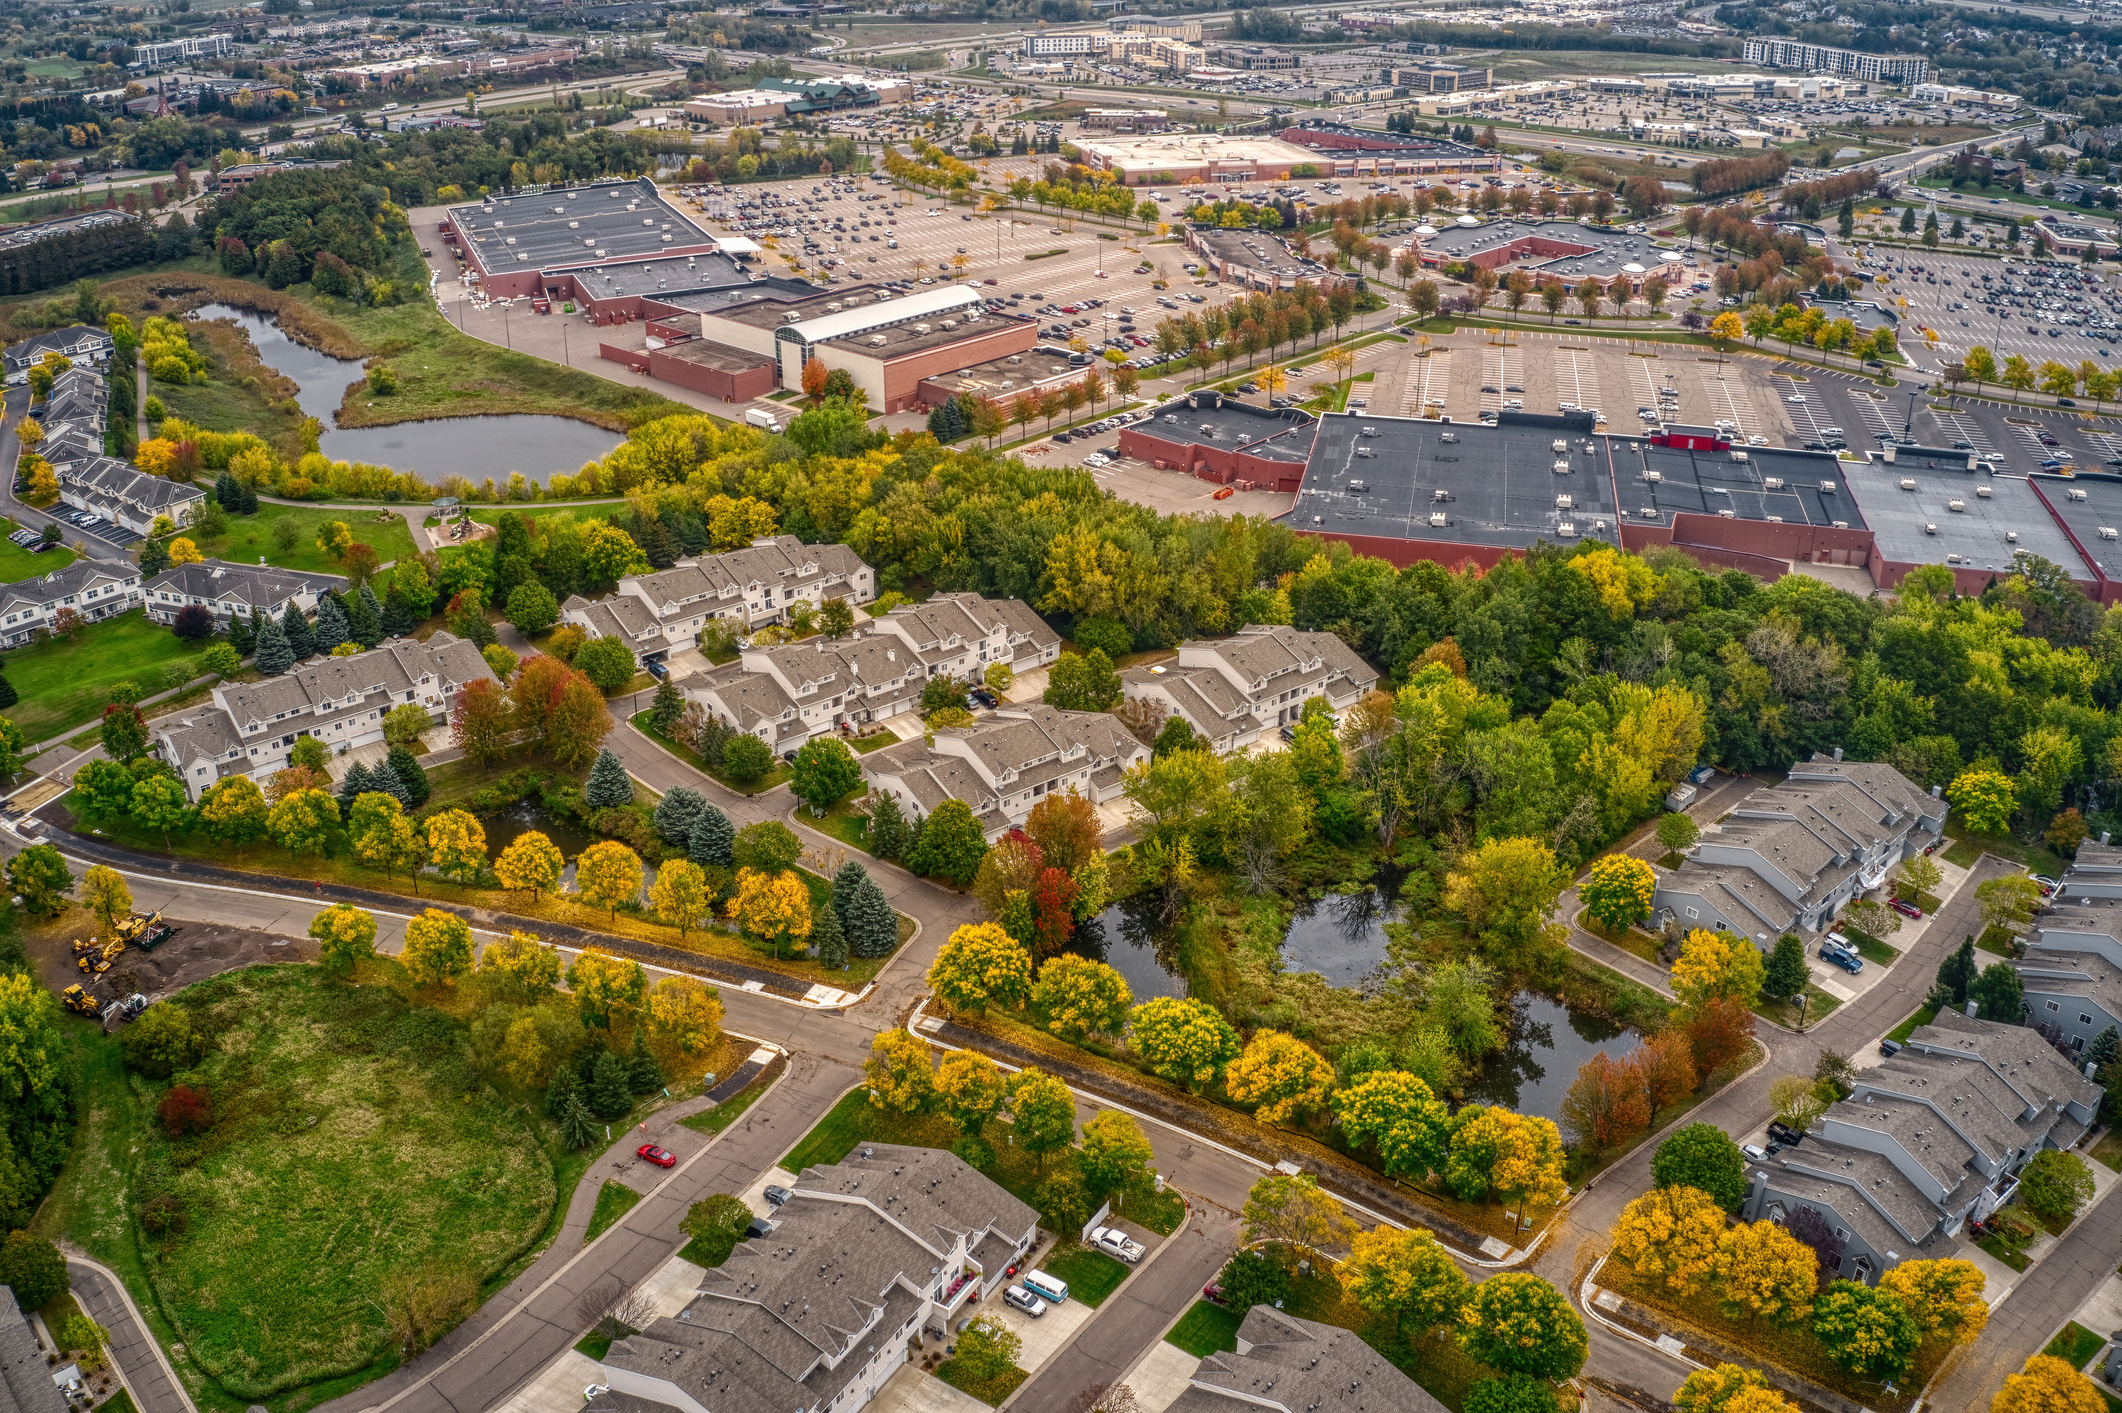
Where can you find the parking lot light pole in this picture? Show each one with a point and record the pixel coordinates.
(1908, 426)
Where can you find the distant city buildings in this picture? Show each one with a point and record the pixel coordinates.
(1880, 68)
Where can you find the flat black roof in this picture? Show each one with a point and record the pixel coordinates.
(2101, 509)
(564, 228)
(1499, 485)
(1234, 425)
(1710, 483)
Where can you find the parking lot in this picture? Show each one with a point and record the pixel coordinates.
(1946, 293)
(95, 526)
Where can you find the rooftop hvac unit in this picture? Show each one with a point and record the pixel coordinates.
(1015, 358)
(1908, 483)
(2011, 537)
(1440, 494)
(1562, 468)
(1775, 519)
(1952, 558)
(1370, 431)
(665, 239)
(511, 240)
(1565, 530)
(1982, 491)
(834, 306)
(1774, 483)
(790, 317)
(1956, 505)
(2075, 494)
(1561, 444)
(1654, 477)
(574, 225)
(1365, 451)
(559, 210)
(1359, 485)
(950, 323)
(921, 328)
(1439, 520)
(878, 340)
(2107, 532)
(1827, 488)
(1930, 529)
(1728, 514)
(1841, 524)
(1648, 512)
(1563, 502)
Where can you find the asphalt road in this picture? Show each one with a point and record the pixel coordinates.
(132, 1349)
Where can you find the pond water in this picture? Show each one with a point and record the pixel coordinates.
(472, 447)
(505, 828)
(1547, 1043)
(1340, 936)
(1130, 938)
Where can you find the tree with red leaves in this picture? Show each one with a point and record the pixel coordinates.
(1667, 1060)
(1607, 1105)
(479, 719)
(1053, 903)
(1719, 1032)
(186, 1110)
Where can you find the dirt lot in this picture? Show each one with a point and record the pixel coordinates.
(196, 952)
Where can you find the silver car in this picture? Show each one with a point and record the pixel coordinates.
(1024, 1300)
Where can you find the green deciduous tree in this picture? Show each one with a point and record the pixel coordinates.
(1865, 1330)
(1702, 1156)
(1519, 1324)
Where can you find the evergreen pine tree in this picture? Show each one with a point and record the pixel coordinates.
(363, 623)
(713, 838)
(411, 776)
(577, 1128)
(872, 929)
(643, 1074)
(851, 876)
(227, 494)
(154, 558)
(248, 504)
(300, 641)
(2105, 1049)
(676, 813)
(669, 705)
(609, 1094)
(383, 777)
(330, 630)
(1958, 971)
(375, 605)
(888, 835)
(8, 696)
(398, 618)
(829, 938)
(243, 632)
(274, 655)
(352, 786)
(609, 785)
(565, 1085)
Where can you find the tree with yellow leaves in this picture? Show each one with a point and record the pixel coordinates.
(680, 894)
(346, 936)
(525, 1058)
(1506, 890)
(1671, 1234)
(2048, 1385)
(772, 905)
(1718, 965)
(1296, 1215)
(608, 874)
(606, 986)
(1403, 1273)
(384, 838)
(525, 967)
(1281, 1075)
(971, 1088)
(1944, 1298)
(1728, 1388)
(1622, 582)
(438, 947)
(901, 1073)
(531, 862)
(456, 841)
(183, 551)
(1515, 1157)
(685, 1015)
(981, 966)
(1766, 1272)
(334, 538)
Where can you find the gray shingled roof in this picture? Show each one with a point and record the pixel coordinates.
(1300, 1366)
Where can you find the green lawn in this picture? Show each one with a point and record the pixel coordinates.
(596, 511)
(991, 1393)
(846, 1124)
(1871, 948)
(1090, 1275)
(766, 782)
(1206, 1329)
(614, 1200)
(2074, 1345)
(1784, 1013)
(64, 684)
(250, 536)
(1995, 938)
(731, 1109)
(1923, 1016)
(17, 563)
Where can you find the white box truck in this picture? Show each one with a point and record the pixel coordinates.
(762, 417)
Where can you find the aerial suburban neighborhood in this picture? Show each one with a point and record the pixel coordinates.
(1335, 709)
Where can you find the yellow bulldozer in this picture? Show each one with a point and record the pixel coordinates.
(145, 931)
(77, 1000)
(96, 957)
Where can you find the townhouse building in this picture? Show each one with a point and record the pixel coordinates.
(91, 590)
(250, 728)
(1287, 1364)
(1932, 1138)
(1007, 762)
(658, 612)
(2072, 969)
(1234, 690)
(787, 695)
(1789, 857)
(123, 494)
(78, 344)
(73, 418)
(229, 589)
(863, 1258)
(27, 1383)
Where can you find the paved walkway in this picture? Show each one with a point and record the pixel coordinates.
(133, 1350)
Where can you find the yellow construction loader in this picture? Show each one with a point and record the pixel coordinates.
(77, 1000)
(98, 959)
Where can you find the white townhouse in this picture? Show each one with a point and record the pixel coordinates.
(1007, 762)
(90, 589)
(229, 589)
(787, 695)
(124, 494)
(663, 611)
(73, 419)
(1234, 690)
(250, 728)
(1788, 857)
(79, 343)
(863, 1258)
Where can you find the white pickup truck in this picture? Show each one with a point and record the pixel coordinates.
(1117, 1244)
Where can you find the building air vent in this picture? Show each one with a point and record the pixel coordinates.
(1982, 491)
(1908, 483)
(1956, 505)
(2075, 494)
(1774, 483)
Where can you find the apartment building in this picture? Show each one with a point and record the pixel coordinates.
(865, 1257)
(1441, 78)
(1287, 1364)
(1234, 690)
(78, 343)
(74, 417)
(1788, 857)
(754, 586)
(176, 51)
(2072, 969)
(90, 589)
(1007, 762)
(229, 589)
(1930, 1139)
(787, 695)
(249, 728)
(1819, 58)
(124, 494)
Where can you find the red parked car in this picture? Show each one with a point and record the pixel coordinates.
(661, 1157)
(1905, 908)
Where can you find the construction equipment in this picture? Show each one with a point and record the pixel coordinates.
(97, 960)
(128, 1009)
(78, 1000)
(145, 932)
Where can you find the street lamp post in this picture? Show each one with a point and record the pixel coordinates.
(1908, 426)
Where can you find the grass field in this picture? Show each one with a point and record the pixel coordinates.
(250, 536)
(1924, 1016)
(614, 1200)
(1090, 1275)
(1206, 1329)
(17, 563)
(731, 1109)
(64, 684)
(592, 511)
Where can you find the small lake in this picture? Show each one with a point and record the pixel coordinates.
(1547, 1042)
(1340, 936)
(525, 816)
(472, 447)
(1131, 939)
